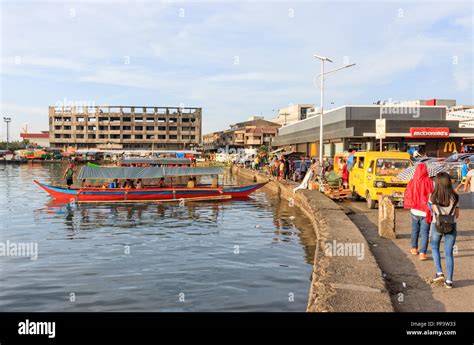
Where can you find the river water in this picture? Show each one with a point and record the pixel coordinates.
(238, 255)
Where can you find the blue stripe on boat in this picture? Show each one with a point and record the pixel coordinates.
(61, 190)
(102, 193)
(150, 192)
(242, 189)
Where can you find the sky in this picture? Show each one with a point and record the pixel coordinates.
(234, 59)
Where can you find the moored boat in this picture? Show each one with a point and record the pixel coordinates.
(147, 193)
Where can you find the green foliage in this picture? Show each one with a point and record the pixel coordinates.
(262, 149)
(13, 145)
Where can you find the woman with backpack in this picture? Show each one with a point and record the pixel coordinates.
(445, 206)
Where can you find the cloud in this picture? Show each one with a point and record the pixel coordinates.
(122, 76)
(190, 58)
(251, 76)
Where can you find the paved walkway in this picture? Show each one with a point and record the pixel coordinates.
(408, 278)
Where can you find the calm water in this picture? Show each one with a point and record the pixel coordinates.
(249, 255)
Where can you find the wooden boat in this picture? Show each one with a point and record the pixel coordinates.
(176, 193)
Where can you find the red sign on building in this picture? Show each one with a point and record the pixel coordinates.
(429, 132)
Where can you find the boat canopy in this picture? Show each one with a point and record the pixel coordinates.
(156, 161)
(90, 173)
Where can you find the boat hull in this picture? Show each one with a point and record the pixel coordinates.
(147, 194)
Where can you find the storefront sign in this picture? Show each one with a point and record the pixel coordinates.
(429, 132)
(380, 128)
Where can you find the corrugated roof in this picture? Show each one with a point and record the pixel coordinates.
(90, 173)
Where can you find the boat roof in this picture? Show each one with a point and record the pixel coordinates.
(155, 161)
(106, 173)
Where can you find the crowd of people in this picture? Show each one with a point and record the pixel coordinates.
(286, 167)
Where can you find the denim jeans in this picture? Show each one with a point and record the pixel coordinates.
(449, 240)
(419, 227)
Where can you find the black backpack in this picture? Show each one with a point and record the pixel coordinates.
(445, 223)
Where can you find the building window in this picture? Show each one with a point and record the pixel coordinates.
(162, 137)
(173, 137)
(138, 136)
(150, 128)
(127, 136)
(173, 128)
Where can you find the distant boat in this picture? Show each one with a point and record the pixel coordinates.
(147, 193)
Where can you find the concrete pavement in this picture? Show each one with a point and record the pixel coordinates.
(408, 278)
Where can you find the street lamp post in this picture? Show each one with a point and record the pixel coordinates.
(323, 59)
(8, 120)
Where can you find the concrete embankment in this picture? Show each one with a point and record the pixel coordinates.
(346, 277)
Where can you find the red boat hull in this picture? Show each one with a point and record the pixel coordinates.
(145, 194)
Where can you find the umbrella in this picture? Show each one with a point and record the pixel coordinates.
(409, 173)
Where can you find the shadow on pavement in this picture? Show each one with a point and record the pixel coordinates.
(408, 291)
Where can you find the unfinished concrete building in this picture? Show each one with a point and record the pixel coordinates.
(125, 127)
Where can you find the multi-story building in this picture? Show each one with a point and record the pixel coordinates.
(125, 127)
(292, 114)
(249, 134)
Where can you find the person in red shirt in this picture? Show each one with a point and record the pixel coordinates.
(416, 199)
(344, 174)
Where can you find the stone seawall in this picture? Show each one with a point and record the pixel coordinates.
(346, 277)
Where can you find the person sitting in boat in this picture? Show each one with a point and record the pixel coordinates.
(215, 183)
(113, 184)
(127, 184)
(191, 183)
(161, 183)
(68, 175)
(139, 184)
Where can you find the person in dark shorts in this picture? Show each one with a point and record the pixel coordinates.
(68, 175)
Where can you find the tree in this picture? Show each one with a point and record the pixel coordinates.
(262, 149)
(13, 145)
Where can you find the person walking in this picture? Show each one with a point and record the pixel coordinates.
(416, 199)
(287, 169)
(464, 172)
(281, 168)
(445, 205)
(344, 174)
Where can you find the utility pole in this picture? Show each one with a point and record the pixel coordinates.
(8, 120)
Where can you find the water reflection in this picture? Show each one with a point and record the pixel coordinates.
(173, 248)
